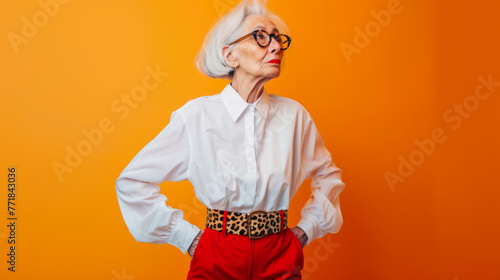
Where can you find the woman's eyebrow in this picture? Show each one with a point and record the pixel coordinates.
(262, 27)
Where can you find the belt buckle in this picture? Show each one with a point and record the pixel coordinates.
(249, 223)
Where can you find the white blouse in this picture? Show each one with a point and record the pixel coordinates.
(238, 157)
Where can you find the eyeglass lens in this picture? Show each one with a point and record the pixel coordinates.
(265, 40)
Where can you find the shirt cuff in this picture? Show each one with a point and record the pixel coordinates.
(183, 235)
(308, 227)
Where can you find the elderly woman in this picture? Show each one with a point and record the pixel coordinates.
(246, 152)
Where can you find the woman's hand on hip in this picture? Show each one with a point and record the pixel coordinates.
(193, 246)
(300, 234)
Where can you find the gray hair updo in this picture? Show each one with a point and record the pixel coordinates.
(210, 59)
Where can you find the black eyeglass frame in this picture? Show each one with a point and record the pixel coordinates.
(271, 36)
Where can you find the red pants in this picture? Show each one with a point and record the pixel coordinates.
(272, 257)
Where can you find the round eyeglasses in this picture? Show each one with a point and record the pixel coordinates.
(264, 39)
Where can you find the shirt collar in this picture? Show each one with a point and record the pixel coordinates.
(235, 105)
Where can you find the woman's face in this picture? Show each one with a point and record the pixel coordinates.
(251, 59)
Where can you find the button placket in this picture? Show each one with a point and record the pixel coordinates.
(250, 148)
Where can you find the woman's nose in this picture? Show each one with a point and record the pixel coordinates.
(275, 47)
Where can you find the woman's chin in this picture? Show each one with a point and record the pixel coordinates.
(274, 74)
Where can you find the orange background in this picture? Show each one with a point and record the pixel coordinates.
(439, 222)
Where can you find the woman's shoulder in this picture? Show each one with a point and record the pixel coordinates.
(287, 103)
(199, 103)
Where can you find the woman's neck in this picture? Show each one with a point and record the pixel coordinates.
(249, 88)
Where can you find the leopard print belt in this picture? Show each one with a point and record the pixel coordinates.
(261, 223)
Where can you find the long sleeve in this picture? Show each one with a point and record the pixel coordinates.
(146, 214)
(321, 213)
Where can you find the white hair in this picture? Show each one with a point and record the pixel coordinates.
(210, 59)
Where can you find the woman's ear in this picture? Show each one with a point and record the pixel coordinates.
(231, 60)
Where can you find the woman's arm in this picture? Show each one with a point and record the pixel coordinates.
(321, 213)
(144, 209)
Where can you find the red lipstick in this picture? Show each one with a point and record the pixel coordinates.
(274, 61)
